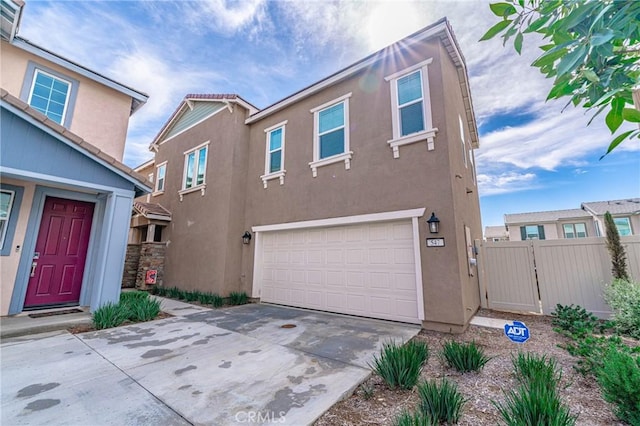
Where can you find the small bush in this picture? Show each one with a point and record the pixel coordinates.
(619, 379)
(109, 315)
(536, 401)
(400, 365)
(236, 298)
(442, 402)
(367, 391)
(191, 296)
(127, 296)
(142, 309)
(216, 300)
(464, 356)
(174, 293)
(624, 298)
(417, 418)
(532, 368)
(576, 322)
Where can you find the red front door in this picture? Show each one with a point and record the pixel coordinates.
(60, 254)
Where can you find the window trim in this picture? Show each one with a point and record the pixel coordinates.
(268, 175)
(464, 143)
(196, 187)
(344, 156)
(429, 132)
(6, 240)
(157, 190)
(27, 88)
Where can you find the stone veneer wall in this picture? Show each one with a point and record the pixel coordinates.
(151, 257)
(131, 263)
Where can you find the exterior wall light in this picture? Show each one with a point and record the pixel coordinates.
(434, 223)
(246, 237)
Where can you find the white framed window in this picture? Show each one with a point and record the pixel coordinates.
(195, 167)
(532, 232)
(161, 173)
(623, 224)
(274, 153)
(331, 134)
(49, 95)
(574, 230)
(411, 107)
(6, 203)
(464, 145)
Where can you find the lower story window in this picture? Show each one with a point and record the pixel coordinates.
(6, 202)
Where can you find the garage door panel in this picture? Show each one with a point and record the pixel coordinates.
(363, 269)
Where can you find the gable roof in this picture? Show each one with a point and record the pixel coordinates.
(615, 207)
(207, 108)
(9, 23)
(152, 211)
(440, 29)
(545, 216)
(64, 135)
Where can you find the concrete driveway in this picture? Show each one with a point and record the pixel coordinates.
(216, 367)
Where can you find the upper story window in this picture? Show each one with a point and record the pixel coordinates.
(532, 232)
(331, 134)
(274, 158)
(623, 225)
(411, 107)
(6, 203)
(50, 95)
(574, 230)
(161, 171)
(464, 145)
(195, 167)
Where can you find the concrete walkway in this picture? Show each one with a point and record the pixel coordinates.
(214, 367)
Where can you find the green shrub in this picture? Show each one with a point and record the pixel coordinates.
(216, 300)
(536, 401)
(416, 418)
(441, 402)
(174, 293)
(127, 296)
(534, 404)
(533, 368)
(619, 379)
(143, 309)
(237, 298)
(109, 315)
(464, 356)
(191, 296)
(576, 322)
(624, 298)
(159, 291)
(400, 365)
(367, 390)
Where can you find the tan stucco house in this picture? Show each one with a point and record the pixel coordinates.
(65, 196)
(334, 184)
(587, 221)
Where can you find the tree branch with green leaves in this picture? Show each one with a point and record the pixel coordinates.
(591, 50)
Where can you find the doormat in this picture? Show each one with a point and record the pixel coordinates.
(50, 314)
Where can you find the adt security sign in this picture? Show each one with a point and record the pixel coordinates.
(517, 332)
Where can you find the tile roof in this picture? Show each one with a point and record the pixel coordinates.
(153, 209)
(545, 216)
(85, 146)
(615, 207)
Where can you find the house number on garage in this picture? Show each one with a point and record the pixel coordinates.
(435, 242)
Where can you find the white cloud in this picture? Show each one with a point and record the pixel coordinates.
(224, 16)
(493, 184)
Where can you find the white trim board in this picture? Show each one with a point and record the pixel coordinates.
(344, 220)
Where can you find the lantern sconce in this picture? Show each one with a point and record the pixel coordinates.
(434, 223)
(246, 237)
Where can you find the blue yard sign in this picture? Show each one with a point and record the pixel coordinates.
(517, 332)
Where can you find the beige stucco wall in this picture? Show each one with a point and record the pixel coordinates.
(376, 182)
(9, 264)
(100, 115)
(204, 248)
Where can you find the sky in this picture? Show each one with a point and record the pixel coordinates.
(533, 156)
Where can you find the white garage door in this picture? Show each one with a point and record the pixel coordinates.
(366, 269)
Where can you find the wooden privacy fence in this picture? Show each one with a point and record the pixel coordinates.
(535, 275)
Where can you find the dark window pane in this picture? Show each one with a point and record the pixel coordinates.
(411, 119)
(409, 88)
(276, 158)
(331, 118)
(332, 143)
